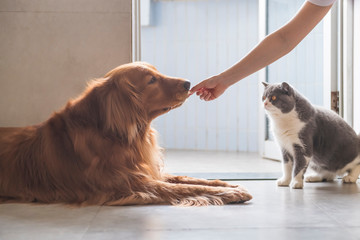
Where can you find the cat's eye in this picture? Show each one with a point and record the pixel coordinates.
(273, 98)
(152, 80)
(263, 98)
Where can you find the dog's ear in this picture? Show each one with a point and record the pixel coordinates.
(123, 113)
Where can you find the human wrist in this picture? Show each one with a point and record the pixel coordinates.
(226, 80)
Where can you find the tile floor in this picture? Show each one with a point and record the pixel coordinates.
(319, 211)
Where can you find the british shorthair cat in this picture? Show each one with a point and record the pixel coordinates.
(310, 136)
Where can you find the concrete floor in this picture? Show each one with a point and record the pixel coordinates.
(319, 211)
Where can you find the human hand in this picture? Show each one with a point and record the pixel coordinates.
(210, 88)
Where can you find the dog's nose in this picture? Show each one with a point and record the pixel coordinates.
(187, 85)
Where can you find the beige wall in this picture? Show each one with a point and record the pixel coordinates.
(51, 48)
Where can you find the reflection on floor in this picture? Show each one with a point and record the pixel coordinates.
(319, 211)
(221, 165)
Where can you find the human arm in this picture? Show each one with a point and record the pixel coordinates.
(271, 48)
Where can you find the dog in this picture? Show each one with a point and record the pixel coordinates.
(100, 149)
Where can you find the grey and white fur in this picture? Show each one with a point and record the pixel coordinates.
(310, 136)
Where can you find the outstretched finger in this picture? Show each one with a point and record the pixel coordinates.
(197, 87)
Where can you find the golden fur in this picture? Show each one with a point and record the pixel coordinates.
(100, 148)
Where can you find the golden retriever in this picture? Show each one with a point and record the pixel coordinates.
(100, 149)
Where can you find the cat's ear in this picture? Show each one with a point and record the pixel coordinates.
(265, 84)
(286, 87)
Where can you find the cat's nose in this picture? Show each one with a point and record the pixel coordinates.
(266, 102)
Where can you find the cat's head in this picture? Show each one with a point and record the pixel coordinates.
(278, 98)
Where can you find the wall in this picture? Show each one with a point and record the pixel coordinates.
(50, 49)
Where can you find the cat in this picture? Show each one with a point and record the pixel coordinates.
(310, 136)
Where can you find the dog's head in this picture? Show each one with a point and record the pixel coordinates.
(156, 92)
(133, 94)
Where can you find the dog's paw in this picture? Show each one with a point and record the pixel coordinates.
(235, 195)
(241, 195)
(223, 196)
(349, 179)
(297, 184)
(282, 182)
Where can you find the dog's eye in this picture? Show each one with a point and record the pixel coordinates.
(152, 80)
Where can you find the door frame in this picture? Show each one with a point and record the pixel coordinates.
(356, 75)
(135, 31)
(346, 79)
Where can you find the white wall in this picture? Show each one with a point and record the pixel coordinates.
(50, 49)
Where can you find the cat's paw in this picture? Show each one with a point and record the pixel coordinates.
(313, 178)
(283, 182)
(297, 184)
(349, 179)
